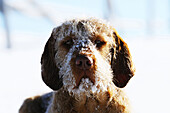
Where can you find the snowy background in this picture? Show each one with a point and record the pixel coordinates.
(143, 24)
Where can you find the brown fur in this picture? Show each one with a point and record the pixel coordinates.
(100, 104)
(95, 89)
(37, 104)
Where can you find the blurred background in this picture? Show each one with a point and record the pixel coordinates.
(25, 26)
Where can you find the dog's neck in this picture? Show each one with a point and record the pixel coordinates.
(103, 102)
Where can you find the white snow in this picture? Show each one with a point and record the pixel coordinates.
(149, 89)
(20, 71)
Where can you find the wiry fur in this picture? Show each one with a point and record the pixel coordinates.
(112, 66)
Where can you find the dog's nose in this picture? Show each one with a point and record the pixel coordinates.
(84, 62)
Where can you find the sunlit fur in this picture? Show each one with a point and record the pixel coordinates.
(99, 92)
(83, 43)
(103, 90)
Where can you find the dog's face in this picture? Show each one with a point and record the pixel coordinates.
(86, 56)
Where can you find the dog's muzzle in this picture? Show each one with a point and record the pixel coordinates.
(85, 67)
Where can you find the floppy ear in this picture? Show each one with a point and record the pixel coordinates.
(50, 72)
(122, 65)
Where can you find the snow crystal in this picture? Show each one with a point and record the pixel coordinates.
(94, 89)
(87, 80)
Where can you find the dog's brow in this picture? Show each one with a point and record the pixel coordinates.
(100, 37)
(68, 37)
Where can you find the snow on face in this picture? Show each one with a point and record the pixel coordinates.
(81, 42)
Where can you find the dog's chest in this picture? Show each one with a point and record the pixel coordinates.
(91, 104)
(64, 103)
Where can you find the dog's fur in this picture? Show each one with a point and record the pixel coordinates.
(79, 90)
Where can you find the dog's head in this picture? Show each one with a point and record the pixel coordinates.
(86, 55)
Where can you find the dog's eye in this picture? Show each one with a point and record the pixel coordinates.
(68, 42)
(99, 43)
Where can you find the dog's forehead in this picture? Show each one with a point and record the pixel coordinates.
(83, 30)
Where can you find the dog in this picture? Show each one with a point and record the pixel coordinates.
(86, 63)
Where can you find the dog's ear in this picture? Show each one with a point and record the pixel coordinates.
(49, 70)
(121, 62)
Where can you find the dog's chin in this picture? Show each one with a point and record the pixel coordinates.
(87, 88)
